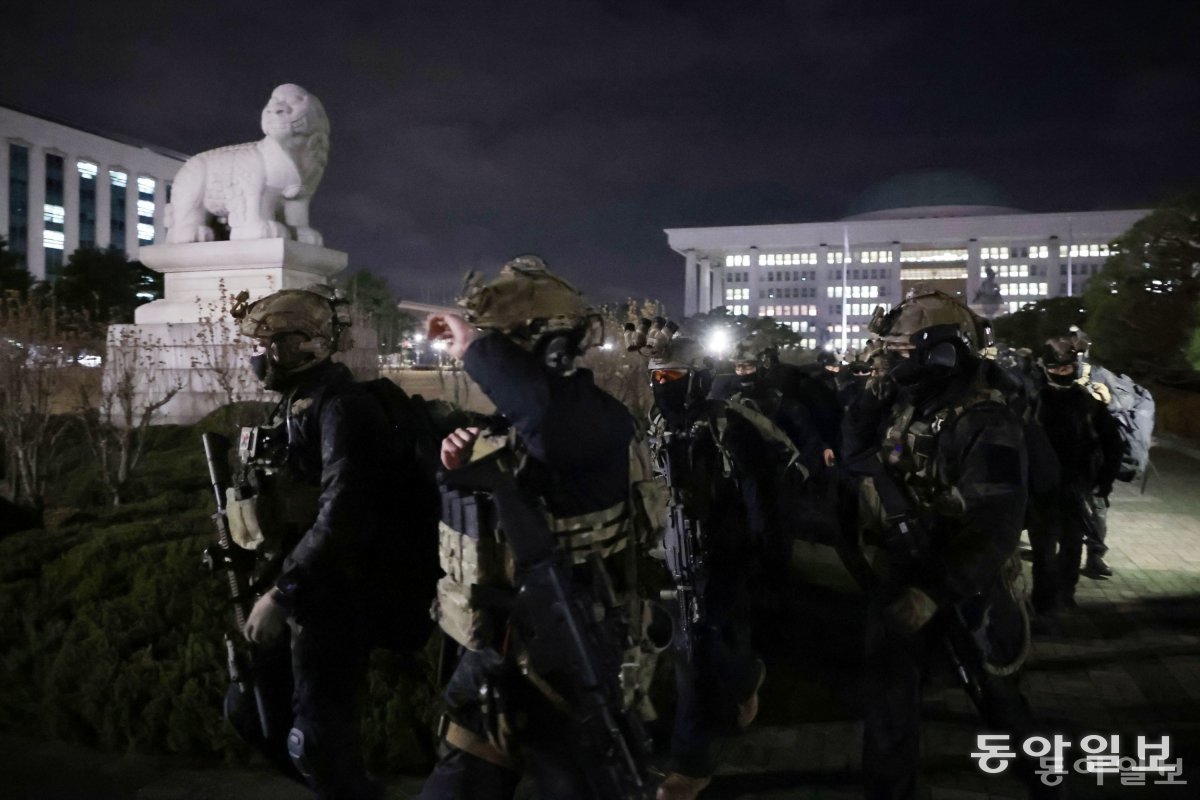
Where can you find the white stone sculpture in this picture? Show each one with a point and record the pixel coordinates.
(261, 189)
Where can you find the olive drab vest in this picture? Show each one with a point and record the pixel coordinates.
(478, 583)
(478, 565)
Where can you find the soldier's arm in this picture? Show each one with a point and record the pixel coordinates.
(567, 423)
(991, 482)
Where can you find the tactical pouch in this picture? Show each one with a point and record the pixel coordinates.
(478, 578)
(246, 517)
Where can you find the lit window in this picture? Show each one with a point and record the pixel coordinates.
(1043, 288)
(118, 178)
(145, 232)
(911, 256)
(54, 214)
(933, 273)
(145, 185)
(146, 209)
(53, 240)
(87, 170)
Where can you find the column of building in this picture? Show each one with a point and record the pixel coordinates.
(36, 263)
(974, 264)
(103, 206)
(131, 214)
(70, 206)
(825, 316)
(895, 293)
(160, 210)
(4, 175)
(691, 284)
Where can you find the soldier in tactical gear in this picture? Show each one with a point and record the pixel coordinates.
(346, 578)
(724, 462)
(1092, 377)
(1086, 440)
(750, 384)
(565, 443)
(943, 492)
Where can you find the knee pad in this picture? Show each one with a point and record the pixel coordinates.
(296, 751)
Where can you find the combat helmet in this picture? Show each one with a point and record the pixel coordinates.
(299, 329)
(929, 308)
(525, 301)
(314, 312)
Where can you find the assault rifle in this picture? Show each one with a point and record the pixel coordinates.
(574, 652)
(238, 565)
(684, 538)
(906, 543)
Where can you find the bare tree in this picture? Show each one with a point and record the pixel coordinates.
(222, 354)
(132, 391)
(38, 352)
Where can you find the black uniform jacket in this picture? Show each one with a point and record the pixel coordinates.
(374, 535)
(577, 434)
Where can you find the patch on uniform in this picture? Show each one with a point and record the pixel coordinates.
(301, 405)
(1003, 463)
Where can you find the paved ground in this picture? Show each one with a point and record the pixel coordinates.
(1126, 663)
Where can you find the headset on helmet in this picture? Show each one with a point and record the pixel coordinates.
(314, 312)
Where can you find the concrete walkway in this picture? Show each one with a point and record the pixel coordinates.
(1126, 663)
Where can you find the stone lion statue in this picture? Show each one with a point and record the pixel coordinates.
(261, 189)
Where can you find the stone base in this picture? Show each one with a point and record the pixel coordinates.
(200, 278)
(207, 361)
(187, 340)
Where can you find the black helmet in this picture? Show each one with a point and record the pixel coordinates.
(827, 359)
(1061, 351)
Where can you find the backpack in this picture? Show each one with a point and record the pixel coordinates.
(411, 419)
(1132, 406)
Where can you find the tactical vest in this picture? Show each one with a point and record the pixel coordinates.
(910, 447)
(268, 507)
(479, 567)
(475, 593)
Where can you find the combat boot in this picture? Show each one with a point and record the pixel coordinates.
(1096, 565)
(678, 786)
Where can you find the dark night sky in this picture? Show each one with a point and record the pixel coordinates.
(468, 132)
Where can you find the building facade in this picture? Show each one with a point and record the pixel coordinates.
(806, 275)
(62, 188)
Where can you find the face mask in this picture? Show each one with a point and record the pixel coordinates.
(1061, 380)
(259, 365)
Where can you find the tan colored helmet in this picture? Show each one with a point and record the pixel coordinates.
(925, 309)
(525, 298)
(303, 311)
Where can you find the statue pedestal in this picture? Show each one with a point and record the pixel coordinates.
(188, 340)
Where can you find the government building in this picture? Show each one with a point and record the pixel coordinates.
(944, 230)
(62, 188)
